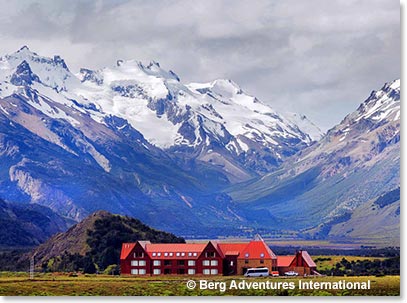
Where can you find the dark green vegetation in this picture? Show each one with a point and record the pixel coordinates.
(387, 252)
(362, 267)
(25, 225)
(94, 244)
(99, 285)
(388, 198)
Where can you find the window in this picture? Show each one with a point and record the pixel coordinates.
(214, 271)
(262, 261)
(154, 254)
(189, 254)
(171, 254)
(246, 255)
(206, 272)
(214, 262)
(231, 263)
(156, 271)
(205, 262)
(139, 254)
(195, 254)
(178, 254)
(182, 254)
(246, 261)
(156, 262)
(181, 262)
(167, 262)
(159, 254)
(191, 262)
(138, 271)
(210, 254)
(165, 254)
(191, 271)
(141, 263)
(134, 263)
(167, 271)
(261, 255)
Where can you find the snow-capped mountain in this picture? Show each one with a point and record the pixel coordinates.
(215, 122)
(132, 139)
(355, 162)
(307, 126)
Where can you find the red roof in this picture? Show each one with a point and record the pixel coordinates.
(307, 258)
(231, 249)
(256, 250)
(284, 261)
(126, 249)
(178, 250)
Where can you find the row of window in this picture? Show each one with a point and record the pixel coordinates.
(178, 254)
(210, 254)
(179, 262)
(157, 271)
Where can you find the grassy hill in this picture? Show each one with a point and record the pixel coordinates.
(94, 243)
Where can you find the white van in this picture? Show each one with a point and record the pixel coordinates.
(257, 272)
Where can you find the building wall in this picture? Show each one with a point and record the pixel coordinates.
(210, 253)
(230, 265)
(242, 266)
(209, 262)
(137, 254)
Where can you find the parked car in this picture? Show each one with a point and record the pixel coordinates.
(291, 273)
(275, 274)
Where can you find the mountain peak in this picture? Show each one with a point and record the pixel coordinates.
(23, 75)
(25, 49)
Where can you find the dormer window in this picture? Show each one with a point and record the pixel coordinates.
(261, 255)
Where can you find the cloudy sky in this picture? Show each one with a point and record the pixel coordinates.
(316, 57)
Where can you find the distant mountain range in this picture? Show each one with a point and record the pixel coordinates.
(198, 159)
(356, 161)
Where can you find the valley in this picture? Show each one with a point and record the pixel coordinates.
(201, 160)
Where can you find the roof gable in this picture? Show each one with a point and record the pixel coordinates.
(126, 249)
(257, 250)
(307, 258)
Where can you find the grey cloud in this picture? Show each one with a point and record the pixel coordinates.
(317, 57)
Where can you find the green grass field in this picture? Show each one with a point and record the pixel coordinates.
(18, 284)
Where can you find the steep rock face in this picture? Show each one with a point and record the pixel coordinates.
(28, 225)
(356, 161)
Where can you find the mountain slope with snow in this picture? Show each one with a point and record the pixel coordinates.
(133, 139)
(356, 161)
(215, 123)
